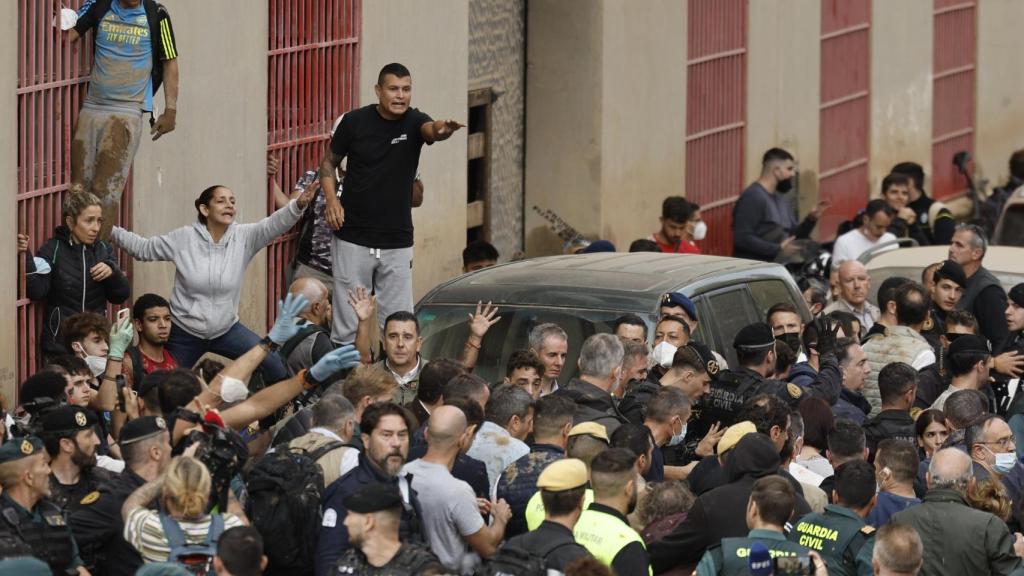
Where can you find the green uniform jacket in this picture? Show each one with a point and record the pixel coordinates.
(841, 537)
(730, 558)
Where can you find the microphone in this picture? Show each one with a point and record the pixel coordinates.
(759, 562)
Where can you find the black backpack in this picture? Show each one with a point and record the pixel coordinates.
(196, 558)
(284, 505)
(514, 561)
(634, 405)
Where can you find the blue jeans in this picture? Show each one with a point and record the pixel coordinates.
(188, 349)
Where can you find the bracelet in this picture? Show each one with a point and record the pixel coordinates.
(308, 382)
(471, 345)
(108, 378)
(268, 344)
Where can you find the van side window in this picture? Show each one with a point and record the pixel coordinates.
(732, 310)
(768, 293)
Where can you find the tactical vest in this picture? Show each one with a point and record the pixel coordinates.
(604, 535)
(728, 393)
(50, 539)
(735, 553)
(838, 539)
(535, 508)
(899, 344)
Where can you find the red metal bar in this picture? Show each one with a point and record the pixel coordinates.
(953, 91)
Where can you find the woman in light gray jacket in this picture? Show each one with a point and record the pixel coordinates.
(210, 257)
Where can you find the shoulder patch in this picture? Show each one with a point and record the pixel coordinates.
(867, 530)
(794, 390)
(90, 498)
(330, 518)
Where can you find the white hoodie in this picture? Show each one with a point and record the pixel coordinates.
(208, 277)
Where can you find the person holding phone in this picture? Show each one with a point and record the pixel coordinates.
(210, 257)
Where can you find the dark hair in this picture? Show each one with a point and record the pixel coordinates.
(463, 385)
(178, 389)
(478, 251)
(976, 431)
(43, 384)
(523, 359)
(686, 357)
(912, 304)
(644, 245)
(963, 407)
(507, 401)
(241, 550)
(875, 206)
(629, 320)
(147, 301)
(843, 348)
(149, 388)
(773, 155)
(900, 457)
(78, 327)
(375, 412)
(846, 440)
(472, 410)
(926, 418)
(939, 275)
(401, 316)
(674, 318)
(894, 179)
(611, 469)
(964, 361)
(666, 403)
(204, 200)
(775, 499)
(207, 369)
(551, 413)
(818, 422)
(912, 170)
(845, 321)
(894, 380)
(961, 318)
(676, 209)
(780, 307)
(562, 502)
(766, 411)
(434, 376)
(752, 356)
(633, 437)
(1017, 164)
(855, 484)
(887, 291)
(395, 69)
(785, 357)
(71, 364)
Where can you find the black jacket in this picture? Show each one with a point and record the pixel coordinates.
(896, 424)
(69, 288)
(592, 405)
(99, 528)
(720, 513)
(985, 298)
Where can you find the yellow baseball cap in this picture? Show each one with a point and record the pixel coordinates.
(564, 474)
(589, 429)
(733, 435)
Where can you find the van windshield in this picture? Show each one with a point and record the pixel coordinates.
(444, 328)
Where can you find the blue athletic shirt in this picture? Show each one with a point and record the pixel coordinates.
(123, 64)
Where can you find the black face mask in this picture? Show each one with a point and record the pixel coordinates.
(784, 185)
(792, 339)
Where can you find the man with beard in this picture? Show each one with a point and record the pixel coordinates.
(385, 429)
(764, 224)
(26, 511)
(151, 315)
(69, 435)
(313, 339)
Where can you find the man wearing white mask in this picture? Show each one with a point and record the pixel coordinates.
(670, 334)
(600, 367)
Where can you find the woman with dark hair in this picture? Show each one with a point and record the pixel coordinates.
(931, 431)
(210, 257)
(74, 271)
(818, 422)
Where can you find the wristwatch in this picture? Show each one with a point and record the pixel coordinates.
(268, 344)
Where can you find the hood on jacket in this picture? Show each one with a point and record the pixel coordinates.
(754, 455)
(200, 228)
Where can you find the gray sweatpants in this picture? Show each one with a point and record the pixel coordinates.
(387, 273)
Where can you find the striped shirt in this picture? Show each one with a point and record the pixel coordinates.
(145, 533)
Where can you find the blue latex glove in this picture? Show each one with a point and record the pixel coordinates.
(335, 361)
(121, 335)
(285, 326)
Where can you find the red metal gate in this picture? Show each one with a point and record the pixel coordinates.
(313, 70)
(954, 56)
(844, 109)
(53, 77)
(716, 108)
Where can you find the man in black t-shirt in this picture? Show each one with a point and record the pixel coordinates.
(372, 223)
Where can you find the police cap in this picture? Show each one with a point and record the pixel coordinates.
(564, 474)
(20, 447)
(674, 299)
(67, 420)
(754, 336)
(706, 357)
(142, 428)
(373, 498)
(589, 429)
(1017, 294)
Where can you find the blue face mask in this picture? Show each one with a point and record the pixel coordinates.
(1005, 461)
(678, 438)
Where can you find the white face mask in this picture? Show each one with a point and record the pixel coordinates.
(678, 438)
(233, 389)
(700, 230)
(663, 354)
(97, 364)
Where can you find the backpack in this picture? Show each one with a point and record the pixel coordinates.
(292, 343)
(196, 558)
(284, 505)
(634, 405)
(514, 561)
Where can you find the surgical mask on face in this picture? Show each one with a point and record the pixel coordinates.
(792, 339)
(663, 354)
(1005, 461)
(700, 230)
(97, 364)
(678, 438)
(233, 390)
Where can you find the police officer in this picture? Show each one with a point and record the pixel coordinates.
(374, 514)
(69, 435)
(97, 523)
(25, 510)
(586, 440)
(771, 504)
(897, 386)
(562, 485)
(839, 534)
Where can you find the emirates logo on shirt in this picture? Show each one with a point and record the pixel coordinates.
(401, 138)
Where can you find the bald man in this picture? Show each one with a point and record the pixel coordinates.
(313, 339)
(854, 287)
(449, 509)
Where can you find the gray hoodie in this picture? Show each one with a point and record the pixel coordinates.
(208, 277)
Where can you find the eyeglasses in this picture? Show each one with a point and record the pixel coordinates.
(1002, 442)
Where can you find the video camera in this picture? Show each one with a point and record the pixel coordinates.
(36, 410)
(221, 450)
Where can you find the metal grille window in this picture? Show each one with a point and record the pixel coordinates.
(313, 77)
(716, 90)
(53, 77)
(954, 56)
(844, 109)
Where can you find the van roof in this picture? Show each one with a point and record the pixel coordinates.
(616, 281)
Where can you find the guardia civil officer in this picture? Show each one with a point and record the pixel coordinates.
(562, 485)
(69, 435)
(97, 523)
(770, 506)
(25, 510)
(839, 534)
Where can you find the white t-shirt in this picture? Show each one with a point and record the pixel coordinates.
(854, 243)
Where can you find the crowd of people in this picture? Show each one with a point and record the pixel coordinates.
(859, 438)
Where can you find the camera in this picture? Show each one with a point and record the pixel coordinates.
(36, 410)
(800, 565)
(221, 450)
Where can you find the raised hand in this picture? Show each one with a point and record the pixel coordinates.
(706, 446)
(362, 302)
(335, 361)
(121, 335)
(446, 128)
(287, 310)
(483, 319)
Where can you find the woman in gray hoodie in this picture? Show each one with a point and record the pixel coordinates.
(210, 257)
